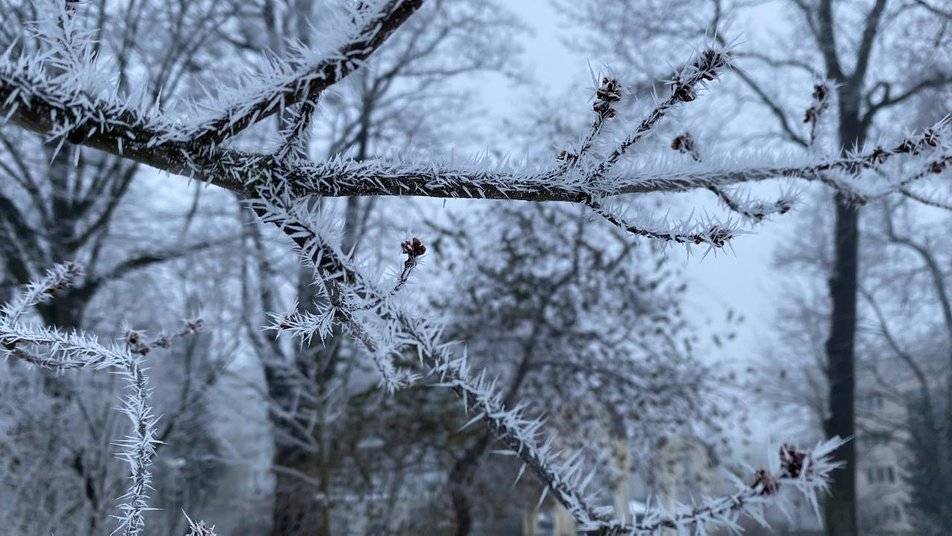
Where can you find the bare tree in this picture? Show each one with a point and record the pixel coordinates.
(59, 201)
(850, 46)
(403, 97)
(913, 254)
(52, 349)
(532, 296)
(62, 202)
(280, 188)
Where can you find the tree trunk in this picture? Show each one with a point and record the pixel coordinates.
(840, 505)
(460, 479)
(295, 510)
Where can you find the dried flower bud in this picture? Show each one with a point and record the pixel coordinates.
(709, 62)
(930, 138)
(609, 91)
(820, 94)
(133, 337)
(683, 143)
(604, 109)
(194, 326)
(792, 460)
(413, 248)
(766, 482)
(907, 146)
(683, 92)
(878, 156)
(606, 96)
(566, 156)
(717, 236)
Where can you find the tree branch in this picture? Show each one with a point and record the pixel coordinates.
(310, 82)
(867, 41)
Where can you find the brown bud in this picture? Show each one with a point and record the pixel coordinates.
(683, 143)
(709, 62)
(413, 247)
(603, 109)
(609, 91)
(683, 92)
(718, 236)
(907, 146)
(792, 460)
(878, 156)
(194, 326)
(766, 482)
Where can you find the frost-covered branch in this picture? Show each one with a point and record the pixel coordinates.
(198, 528)
(308, 82)
(57, 350)
(45, 106)
(919, 198)
(51, 348)
(381, 177)
(705, 68)
(754, 210)
(606, 97)
(341, 310)
(808, 472)
(415, 336)
(564, 480)
(305, 325)
(139, 344)
(137, 448)
(714, 234)
(40, 291)
(294, 133)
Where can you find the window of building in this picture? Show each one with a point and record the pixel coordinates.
(890, 513)
(880, 474)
